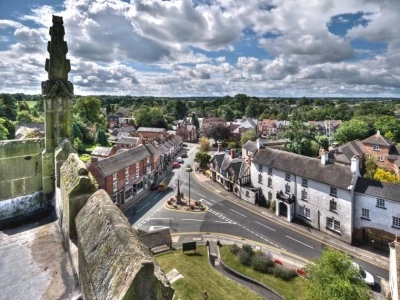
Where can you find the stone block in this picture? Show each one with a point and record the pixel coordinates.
(113, 262)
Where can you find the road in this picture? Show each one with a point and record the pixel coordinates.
(225, 217)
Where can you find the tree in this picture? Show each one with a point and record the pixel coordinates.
(149, 117)
(76, 131)
(202, 158)
(385, 176)
(3, 130)
(195, 121)
(79, 145)
(332, 276)
(300, 136)
(217, 131)
(88, 108)
(227, 113)
(101, 137)
(248, 135)
(204, 144)
(351, 130)
(180, 109)
(323, 141)
(389, 126)
(369, 168)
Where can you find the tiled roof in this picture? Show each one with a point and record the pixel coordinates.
(378, 189)
(101, 151)
(250, 146)
(332, 174)
(155, 238)
(345, 152)
(378, 139)
(163, 149)
(122, 160)
(128, 140)
(153, 150)
(128, 129)
(116, 131)
(219, 158)
(150, 129)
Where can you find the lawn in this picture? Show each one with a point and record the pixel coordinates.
(295, 289)
(199, 276)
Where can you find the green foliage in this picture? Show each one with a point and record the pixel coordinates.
(3, 130)
(283, 274)
(385, 176)
(389, 126)
(76, 131)
(227, 113)
(79, 145)
(88, 109)
(180, 109)
(234, 249)
(351, 130)
(25, 116)
(248, 135)
(262, 264)
(149, 117)
(273, 205)
(245, 257)
(8, 107)
(323, 141)
(369, 168)
(23, 105)
(217, 131)
(101, 138)
(333, 277)
(248, 249)
(204, 144)
(300, 136)
(202, 158)
(195, 121)
(373, 108)
(9, 126)
(232, 145)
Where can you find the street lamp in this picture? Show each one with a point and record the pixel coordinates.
(189, 170)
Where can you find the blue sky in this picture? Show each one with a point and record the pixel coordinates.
(208, 47)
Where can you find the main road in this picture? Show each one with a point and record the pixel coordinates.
(224, 216)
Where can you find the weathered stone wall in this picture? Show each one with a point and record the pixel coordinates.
(76, 186)
(20, 167)
(113, 263)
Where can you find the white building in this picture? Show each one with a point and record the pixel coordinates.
(314, 190)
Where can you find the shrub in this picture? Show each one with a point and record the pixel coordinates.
(262, 264)
(259, 253)
(247, 248)
(234, 249)
(244, 257)
(273, 206)
(284, 274)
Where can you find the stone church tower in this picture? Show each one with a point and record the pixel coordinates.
(57, 92)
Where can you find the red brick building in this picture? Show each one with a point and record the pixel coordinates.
(150, 132)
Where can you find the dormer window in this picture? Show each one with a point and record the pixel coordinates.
(376, 148)
(260, 168)
(287, 177)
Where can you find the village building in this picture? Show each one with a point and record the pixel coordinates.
(101, 152)
(128, 142)
(270, 127)
(151, 133)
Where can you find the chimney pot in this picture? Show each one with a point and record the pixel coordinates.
(233, 153)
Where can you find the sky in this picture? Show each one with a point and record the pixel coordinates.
(265, 48)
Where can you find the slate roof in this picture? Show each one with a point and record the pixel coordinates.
(116, 131)
(378, 139)
(345, 152)
(163, 149)
(236, 165)
(155, 238)
(218, 157)
(153, 150)
(128, 140)
(128, 129)
(101, 151)
(177, 138)
(332, 174)
(250, 146)
(378, 189)
(122, 160)
(168, 144)
(150, 129)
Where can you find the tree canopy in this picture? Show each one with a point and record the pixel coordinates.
(300, 136)
(149, 117)
(88, 108)
(248, 135)
(202, 158)
(352, 130)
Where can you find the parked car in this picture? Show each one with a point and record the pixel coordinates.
(154, 186)
(179, 160)
(184, 145)
(176, 165)
(365, 276)
(184, 155)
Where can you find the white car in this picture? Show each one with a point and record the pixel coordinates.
(179, 160)
(365, 276)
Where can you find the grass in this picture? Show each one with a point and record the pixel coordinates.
(85, 157)
(31, 104)
(199, 276)
(295, 289)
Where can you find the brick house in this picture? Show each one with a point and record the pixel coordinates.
(186, 130)
(103, 152)
(124, 175)
(128, 142)
(112, 121)
(271, 127)
(150, 132)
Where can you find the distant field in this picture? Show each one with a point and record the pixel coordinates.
(31, 103)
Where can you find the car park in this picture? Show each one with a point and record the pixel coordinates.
(176, 165)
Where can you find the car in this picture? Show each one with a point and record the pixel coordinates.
(176, 165)
(184, 155)
(179, 160)
(365, 276)
(154, 186)
(184, 145)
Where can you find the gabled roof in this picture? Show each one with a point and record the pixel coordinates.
(333, 174)
(122, 160)
(151, 129)
(250, 146)
(101, 151)
(128, 129)
(155, 238)
(153, 150)
(218, 157)
(378, 139)
(345, 152)
(378, 189)
(128, 140)
(163, 149)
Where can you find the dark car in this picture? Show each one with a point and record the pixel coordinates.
(154, 186)
(184, 145)
(184, 155)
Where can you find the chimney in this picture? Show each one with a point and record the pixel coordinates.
(324, 156)
(355, 165)
(233, 153)
(219, 146)
(259, 143)
(378, 132)
(249, 159)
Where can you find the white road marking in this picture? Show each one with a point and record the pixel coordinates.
(299, 242)
(238, 213)
(265, 226)
(223, 222)
(159, 194)
(143, 207)
(161, 218)
(157, 227)
(192, 220)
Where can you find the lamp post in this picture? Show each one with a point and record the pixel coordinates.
(189, 170)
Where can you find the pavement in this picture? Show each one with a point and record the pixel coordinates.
(359, 252)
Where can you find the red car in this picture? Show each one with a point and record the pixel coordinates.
(176, 165)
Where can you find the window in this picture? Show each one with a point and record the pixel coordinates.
(269, 196)
(287, 177)
(364, 213)
(270, 182)
(396, 222)
(332, 224)
(260, 178)
(126, 171)
(126, 179)
(304, 182)
(380, 158)
(332, 205)
(137, 170)
(247, 194)
(115, 177)
(115, 186)
(380, 202)
(270, 171)
(260, 168)
(376, 148)
(305, 212)
(115, 198)
(287, 188)
(333, 192)
(304, 195)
